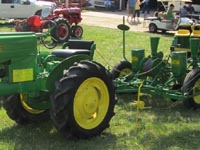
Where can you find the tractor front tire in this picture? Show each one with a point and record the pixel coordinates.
(83, 103)
(47, 40)
(152, 28)
(121, 69)
(20, 112)
(191, 86)
(77, 31)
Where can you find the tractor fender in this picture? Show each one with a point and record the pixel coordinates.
(57, 72)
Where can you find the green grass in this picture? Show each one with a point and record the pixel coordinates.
(109, 43)
(164, 126)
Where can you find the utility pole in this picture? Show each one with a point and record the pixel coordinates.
(120, 5)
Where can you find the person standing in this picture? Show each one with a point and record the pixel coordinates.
(109, 5)
(183, 11)
(137, 10)
(145, 6)
(190, 9)
(131, 10)
(126, 1)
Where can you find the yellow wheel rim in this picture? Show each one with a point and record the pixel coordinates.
(91, 103)
(124, 72)
(23, 99)
(196, 89)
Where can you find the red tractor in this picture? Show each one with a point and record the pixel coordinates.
(61, 24)
(73, 16)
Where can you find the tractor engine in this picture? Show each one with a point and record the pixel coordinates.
(35, 84)
(32, 24)
(18, 59)
(22, 26)
(72, 15)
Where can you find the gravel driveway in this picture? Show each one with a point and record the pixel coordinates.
(111, 20)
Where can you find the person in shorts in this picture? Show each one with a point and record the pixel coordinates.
(145, 6)
(131, 10)
(137, 11)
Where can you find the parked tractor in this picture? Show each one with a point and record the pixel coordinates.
(65, 84)
(170, 77)
(59, 25)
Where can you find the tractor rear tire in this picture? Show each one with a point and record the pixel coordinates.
(84, 100)
(191, 85)
(121, 69)
(21, 113)
(61, 33)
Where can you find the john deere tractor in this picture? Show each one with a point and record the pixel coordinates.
(64, 85)
(172, 76)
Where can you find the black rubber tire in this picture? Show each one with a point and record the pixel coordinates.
(19, 114)
(121, 69)
(64, 99)
(48, 41)
(77, 32)
(49, 44)
(164, 31)
(72, 29)
(147, 66)
(152, 28)
(188, 87)
(152, 67)
(38, 13)
(61, 33)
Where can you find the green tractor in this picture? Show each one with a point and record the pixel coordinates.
(172, 77)
(64, 85)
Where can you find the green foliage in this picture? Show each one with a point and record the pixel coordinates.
(164, 126)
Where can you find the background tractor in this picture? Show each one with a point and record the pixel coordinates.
(170, 76)
(65, 84)
(61, 23)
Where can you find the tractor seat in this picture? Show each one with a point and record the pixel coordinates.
(185, 26)
(195, 33)
(182, 32)
(64, 53)
(74, 47)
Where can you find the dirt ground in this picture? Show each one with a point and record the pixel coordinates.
(112, 19)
